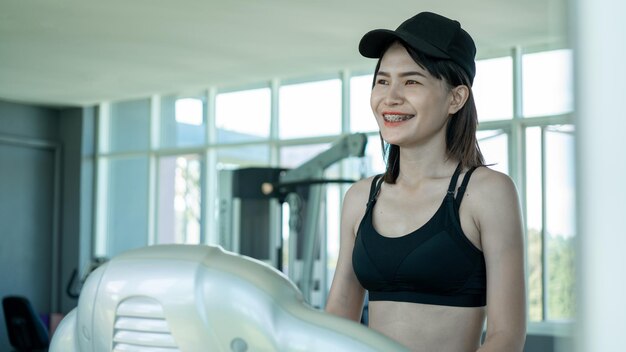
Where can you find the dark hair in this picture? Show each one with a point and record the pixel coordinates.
(461, 142)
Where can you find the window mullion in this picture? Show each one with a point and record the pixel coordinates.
(516, 144)
(274, 106)
(517, 147)
(544, 257)
(518, 106)
(153, 197)
(209, 233)
(345, 102)
(101, 172)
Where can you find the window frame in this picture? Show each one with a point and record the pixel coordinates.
(515, 129)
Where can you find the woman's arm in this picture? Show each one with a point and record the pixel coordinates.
(346, 295)
(499, 221)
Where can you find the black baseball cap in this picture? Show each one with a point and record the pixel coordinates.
(427, 32)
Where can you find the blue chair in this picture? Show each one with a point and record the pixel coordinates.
(25, 328)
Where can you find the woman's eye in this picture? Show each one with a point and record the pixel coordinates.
(410, 81)
(382, 81)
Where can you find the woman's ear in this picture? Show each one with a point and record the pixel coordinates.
(459, 95)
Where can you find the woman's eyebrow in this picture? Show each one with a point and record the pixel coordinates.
(403, 74)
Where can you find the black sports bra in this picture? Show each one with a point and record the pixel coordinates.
(435, 264)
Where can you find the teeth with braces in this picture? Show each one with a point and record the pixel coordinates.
(397, 118)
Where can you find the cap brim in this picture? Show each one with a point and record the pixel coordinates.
(375, 42)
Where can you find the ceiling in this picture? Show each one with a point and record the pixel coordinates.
(79, 53)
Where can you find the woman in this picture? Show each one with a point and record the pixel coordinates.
(437, 240)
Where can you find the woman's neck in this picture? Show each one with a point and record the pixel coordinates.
(420, 164)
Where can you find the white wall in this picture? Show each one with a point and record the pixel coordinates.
(600, 40)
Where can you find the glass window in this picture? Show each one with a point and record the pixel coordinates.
(534, 224)
(182, 121)
(243, 116)
(310, 109)
(560, 222)
(127, 204)
(548, 83)
(493, 89)
(550, 202)
(294, 156)
(495, 148)
(243, 156)
(179, 197)
(361, 117)
(129, 126)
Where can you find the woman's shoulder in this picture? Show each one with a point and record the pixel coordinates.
(491, 188)
(355, 204)
(357, 196)
(486, 179)
(360, 189)
(496, 210)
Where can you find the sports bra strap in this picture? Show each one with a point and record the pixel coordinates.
(454, 179)
(461, 192)
(374, 188)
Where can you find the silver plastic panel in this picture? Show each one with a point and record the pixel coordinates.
(171, 298)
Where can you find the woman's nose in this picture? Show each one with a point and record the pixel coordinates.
(394, 95)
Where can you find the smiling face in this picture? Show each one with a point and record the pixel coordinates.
(411, 106)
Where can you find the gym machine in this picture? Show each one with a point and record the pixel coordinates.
(250, 204)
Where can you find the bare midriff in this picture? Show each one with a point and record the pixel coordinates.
(428, 328)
